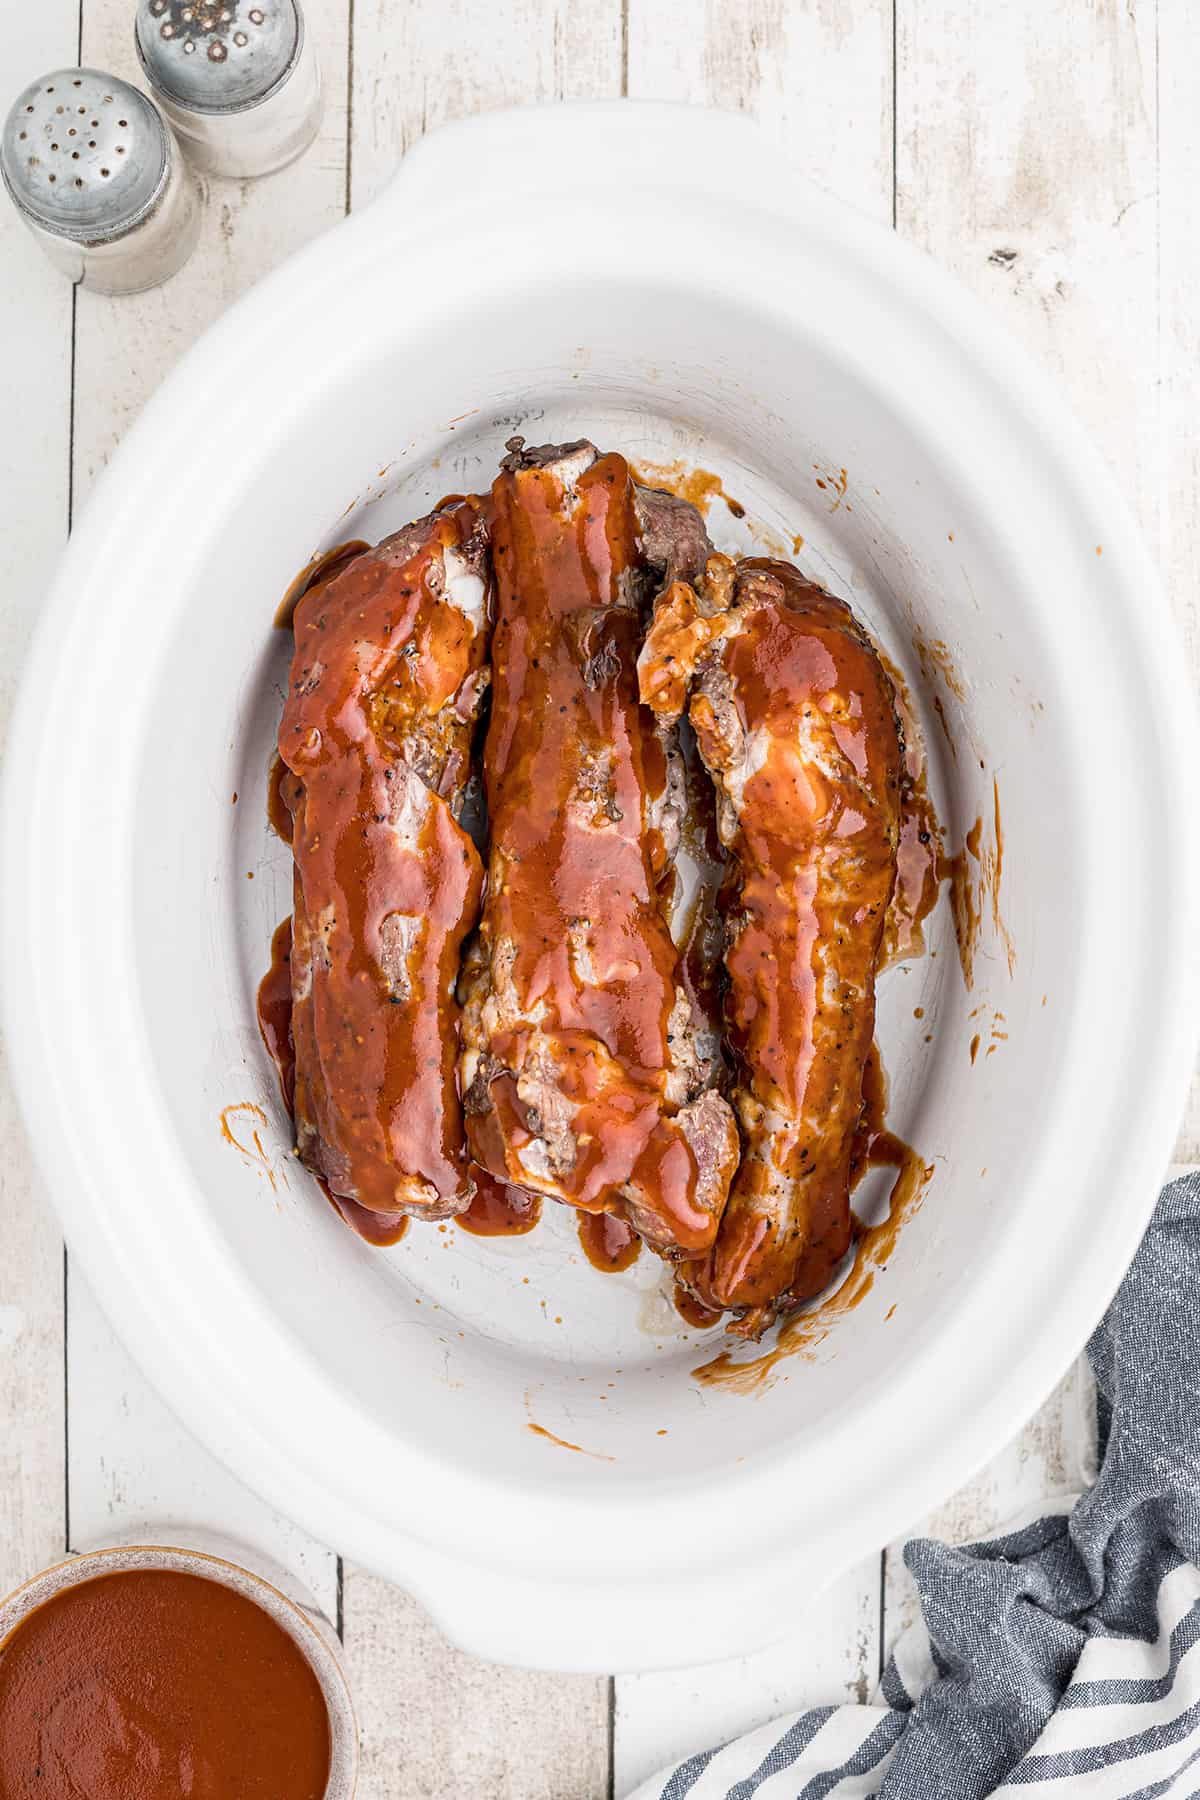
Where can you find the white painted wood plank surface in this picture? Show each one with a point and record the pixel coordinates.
(819, 79)
(816, 74)
(133, 1465)
(130, 1462)
(35, 402)
(1027, 163)
(1178, 83)
(420, 66)
(440, 1725)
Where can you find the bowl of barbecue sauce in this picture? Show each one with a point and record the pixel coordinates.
(151, 1673)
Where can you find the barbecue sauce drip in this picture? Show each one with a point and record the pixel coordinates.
(275, 1012)
(919, 872)
(571, 761)
(150, 1684)
(497, 1210)
(692, 1311)
(875, 1147)
(608, 1242)
(322, 569)
(284, 794)
(379, 1229)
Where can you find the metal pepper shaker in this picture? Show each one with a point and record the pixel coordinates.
(99, 180)
(238, 79)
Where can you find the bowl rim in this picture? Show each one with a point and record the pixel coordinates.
(299, 1617)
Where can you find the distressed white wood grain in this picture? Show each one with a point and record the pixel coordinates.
(35, 402)
(130, 1462)
(1178, 37)
(420, 66)
(1026, 162)
(819, 79)
(439, 1725)
(817, 74)
(1179, 266)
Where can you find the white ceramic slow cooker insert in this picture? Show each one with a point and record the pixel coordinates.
(658, 280)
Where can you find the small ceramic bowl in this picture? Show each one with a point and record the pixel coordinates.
(273, 1589)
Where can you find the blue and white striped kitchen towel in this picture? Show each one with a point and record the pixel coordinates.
(1060, 1661)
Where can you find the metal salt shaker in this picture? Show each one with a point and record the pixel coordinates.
(99, 180)
(238, 80)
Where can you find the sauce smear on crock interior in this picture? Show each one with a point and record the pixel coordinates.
(152, 1683)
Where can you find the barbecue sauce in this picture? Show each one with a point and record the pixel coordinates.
(498, 1210)
(816, 854)
(284, 794)
(275, 1023)
(388, 884)
(571, 763)
(379, 1229)
(323, 568)
(608, 1242)
(275, 1011)
(150, 1684)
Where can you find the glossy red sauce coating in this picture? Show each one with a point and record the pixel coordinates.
(559, 610)
(497, 1210)
(284, 794)
(574, 916)
(795, 717)
(275, 1011)
(918, 876)
(817, 850)
(275, 1024)
(693, 1311)
(379, 1229)
(385, 678)
(151, 1684)
(323, 567)
(874, 1245)
(608, 1242)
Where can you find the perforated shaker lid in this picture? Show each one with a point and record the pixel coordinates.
(84, 155)
(215, 56)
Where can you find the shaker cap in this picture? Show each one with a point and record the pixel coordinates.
(215, 56)
(84, 155)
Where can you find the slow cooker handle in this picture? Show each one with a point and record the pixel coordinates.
(488, 161)
(617, 1622)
